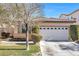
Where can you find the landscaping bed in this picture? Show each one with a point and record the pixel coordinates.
(18, 50)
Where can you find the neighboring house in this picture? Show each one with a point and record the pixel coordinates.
(55, 29)
(70, 16)
(50, 28)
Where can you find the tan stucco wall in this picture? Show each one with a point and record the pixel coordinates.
(53, 24)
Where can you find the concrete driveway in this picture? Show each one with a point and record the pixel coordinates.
(59, 48)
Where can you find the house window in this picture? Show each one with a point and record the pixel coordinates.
(63, 28)
(51, 28)
(66, 28)
(69, 17)
(58, 28)
(55, 28)
(40, 28)
(47, 28)
(43, 28)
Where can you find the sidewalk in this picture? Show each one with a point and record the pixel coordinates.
(45, 50)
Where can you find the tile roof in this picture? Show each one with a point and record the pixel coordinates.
(54, 19)
(63, 24)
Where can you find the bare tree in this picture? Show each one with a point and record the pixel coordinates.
(3, 16)
(16, 14)
(27, 13)
(32, 11)
(24, 12)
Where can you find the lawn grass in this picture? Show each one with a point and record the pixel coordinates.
(18, 50)
(15, 47)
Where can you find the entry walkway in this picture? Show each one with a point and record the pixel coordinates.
(11, 43)
(59, 48)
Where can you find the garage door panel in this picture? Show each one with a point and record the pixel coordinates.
(54, 34)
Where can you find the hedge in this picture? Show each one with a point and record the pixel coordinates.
(36, 37)
(74, 32)
(35, 29)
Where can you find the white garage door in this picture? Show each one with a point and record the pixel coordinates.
(54, 33)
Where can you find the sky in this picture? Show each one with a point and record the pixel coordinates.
(56, 9)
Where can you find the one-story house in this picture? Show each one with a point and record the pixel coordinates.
(50, 28)
(55, 28)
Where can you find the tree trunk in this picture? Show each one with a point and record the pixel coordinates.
(27, 37)
(27, 41)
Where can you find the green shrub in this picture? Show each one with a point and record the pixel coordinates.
(73, 32)
(35, 29)
(36, 37)
(5, 35)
